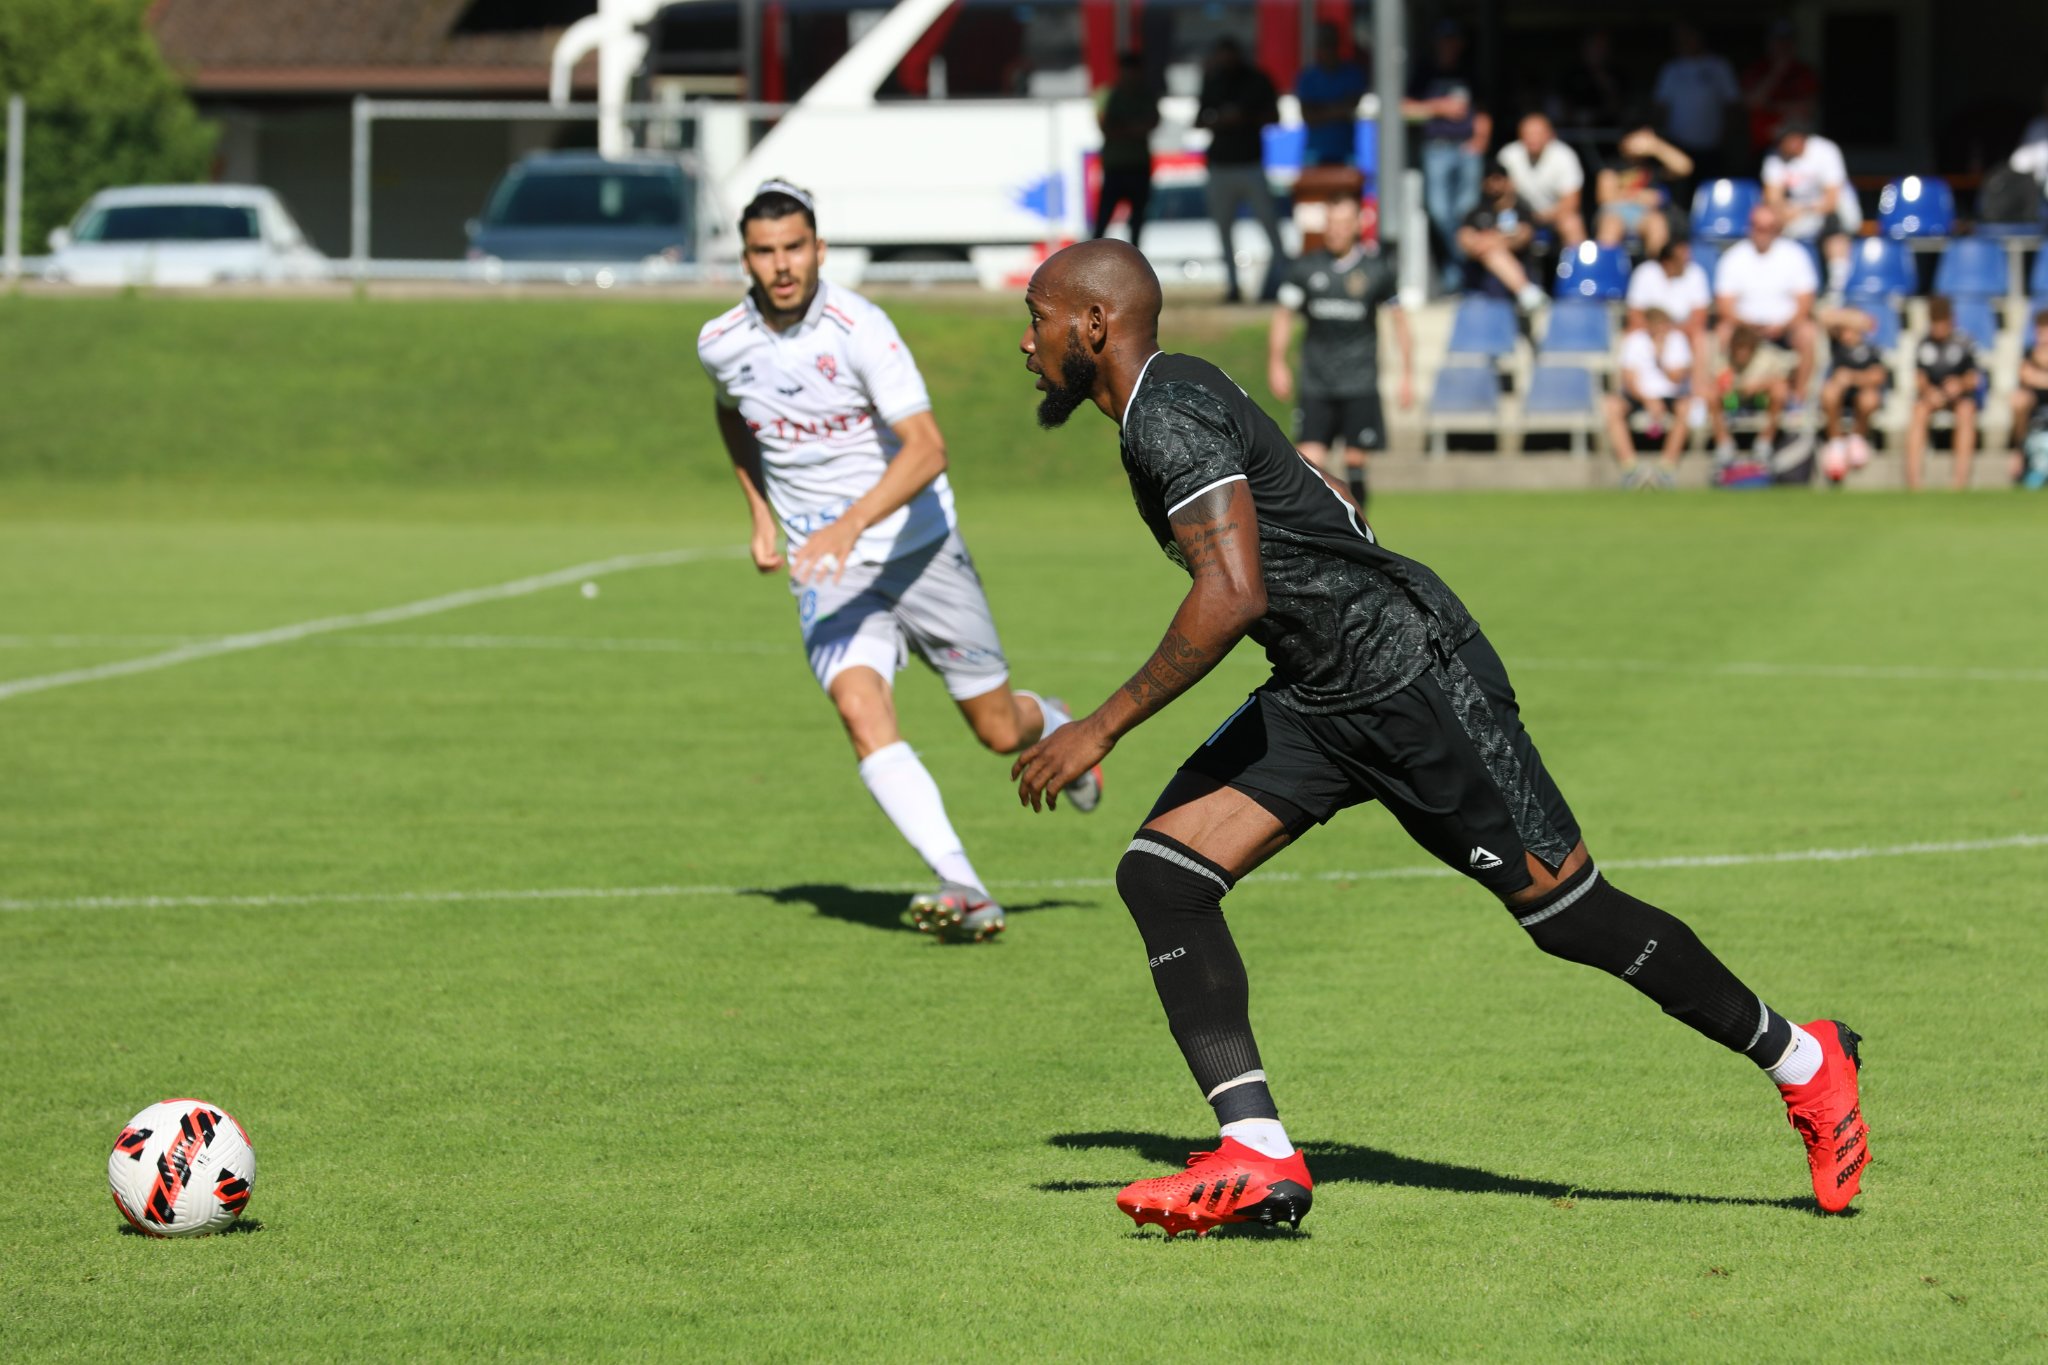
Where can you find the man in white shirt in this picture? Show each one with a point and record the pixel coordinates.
(1656, 363)
(1806, 180)
(1677, 284)
(1769, 283)
(1548, 176)
(830, 430)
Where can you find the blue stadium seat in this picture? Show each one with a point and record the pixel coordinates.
(1708, 255)
(1975, 320)
(1483, 327)
(1917, 206)
(1592, 271)
(2037, 278)
(1559, 390)
(1720, 208)
(1972, 267)
(1879, 268)
(1578, 327)
(1884, 322)
(1465, 390)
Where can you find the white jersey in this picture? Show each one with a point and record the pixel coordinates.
(821, 398)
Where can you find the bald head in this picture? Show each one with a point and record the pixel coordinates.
(1094, 324)
(1105, 273)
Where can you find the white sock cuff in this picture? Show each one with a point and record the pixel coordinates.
(887, 757)
(1052, 716)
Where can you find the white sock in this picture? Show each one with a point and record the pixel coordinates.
(1801, 1062)
(897, 779)
(1264, 1136)
(1055, 715)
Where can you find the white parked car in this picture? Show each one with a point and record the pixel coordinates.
(182, 235)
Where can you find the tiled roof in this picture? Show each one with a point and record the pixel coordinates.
(369, 43)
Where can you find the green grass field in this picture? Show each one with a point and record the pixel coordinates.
(549, 948)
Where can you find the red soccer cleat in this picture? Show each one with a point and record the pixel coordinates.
(1829, 1116)
(1233, 1184)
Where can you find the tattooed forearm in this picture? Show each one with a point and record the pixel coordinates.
(1178, 664)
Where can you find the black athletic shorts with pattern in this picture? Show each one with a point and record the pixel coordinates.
(1446, 754)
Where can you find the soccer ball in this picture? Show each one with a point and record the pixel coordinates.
(1834, 459)
(182, 1168)
(1859, 452)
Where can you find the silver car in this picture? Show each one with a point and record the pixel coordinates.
(181, 235)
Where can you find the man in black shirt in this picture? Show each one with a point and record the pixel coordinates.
(1340, 288)
(1496, 238)
(1946, 380)
(1127, 113)
(1238, 101)
(1383, 688)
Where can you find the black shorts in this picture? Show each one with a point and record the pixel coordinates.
(1357, 421)
(1447, 754)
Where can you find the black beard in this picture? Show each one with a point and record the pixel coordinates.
(1075, 389)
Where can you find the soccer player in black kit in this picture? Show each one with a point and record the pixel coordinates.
(1383, 688)
(1340, 288)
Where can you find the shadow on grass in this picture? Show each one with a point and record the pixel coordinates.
(1335, 1161)
(875, 909)
(238, 1227)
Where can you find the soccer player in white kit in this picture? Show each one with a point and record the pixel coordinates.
(831, 433)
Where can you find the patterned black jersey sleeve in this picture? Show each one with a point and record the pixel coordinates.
(1347, 620)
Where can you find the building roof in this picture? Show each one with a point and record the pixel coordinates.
(292, 46)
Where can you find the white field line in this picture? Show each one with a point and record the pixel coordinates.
(609, 893)
(577, 644)
(278, 635)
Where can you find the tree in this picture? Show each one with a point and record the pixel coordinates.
(104, 108)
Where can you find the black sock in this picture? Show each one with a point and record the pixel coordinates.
(1354, 478)
(1587, 920)
(1176, 897)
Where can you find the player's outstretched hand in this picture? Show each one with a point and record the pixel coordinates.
(766, 557)
(1044, 770)
(822, 557)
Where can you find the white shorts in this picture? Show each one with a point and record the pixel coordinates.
(929, 600)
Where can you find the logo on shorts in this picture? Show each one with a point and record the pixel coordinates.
(827, 365)
(807, 606)
(1482, 860)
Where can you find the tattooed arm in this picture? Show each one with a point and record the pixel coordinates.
(1218, 536)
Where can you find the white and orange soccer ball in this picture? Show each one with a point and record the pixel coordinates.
(1834, 459)
(182, 1168)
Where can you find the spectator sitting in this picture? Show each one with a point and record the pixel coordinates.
(2030, 407)
(1329, 93)
(1127, 113)
(1753, 379)
(1595, 92)
(1454, 132)
(1496, 238)
(1678, 285)
(1548, 177)
(1768, 283)
(1238, 101)
(1806, 180)
(1656, 363)
(1946, 381)
(1778, 87)
(1693, 91)
(1633, 194)
(1857, 380)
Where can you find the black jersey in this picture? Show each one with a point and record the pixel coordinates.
(1861, 356)
(1341, 298)
(1943, 360)
(1347, 621)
